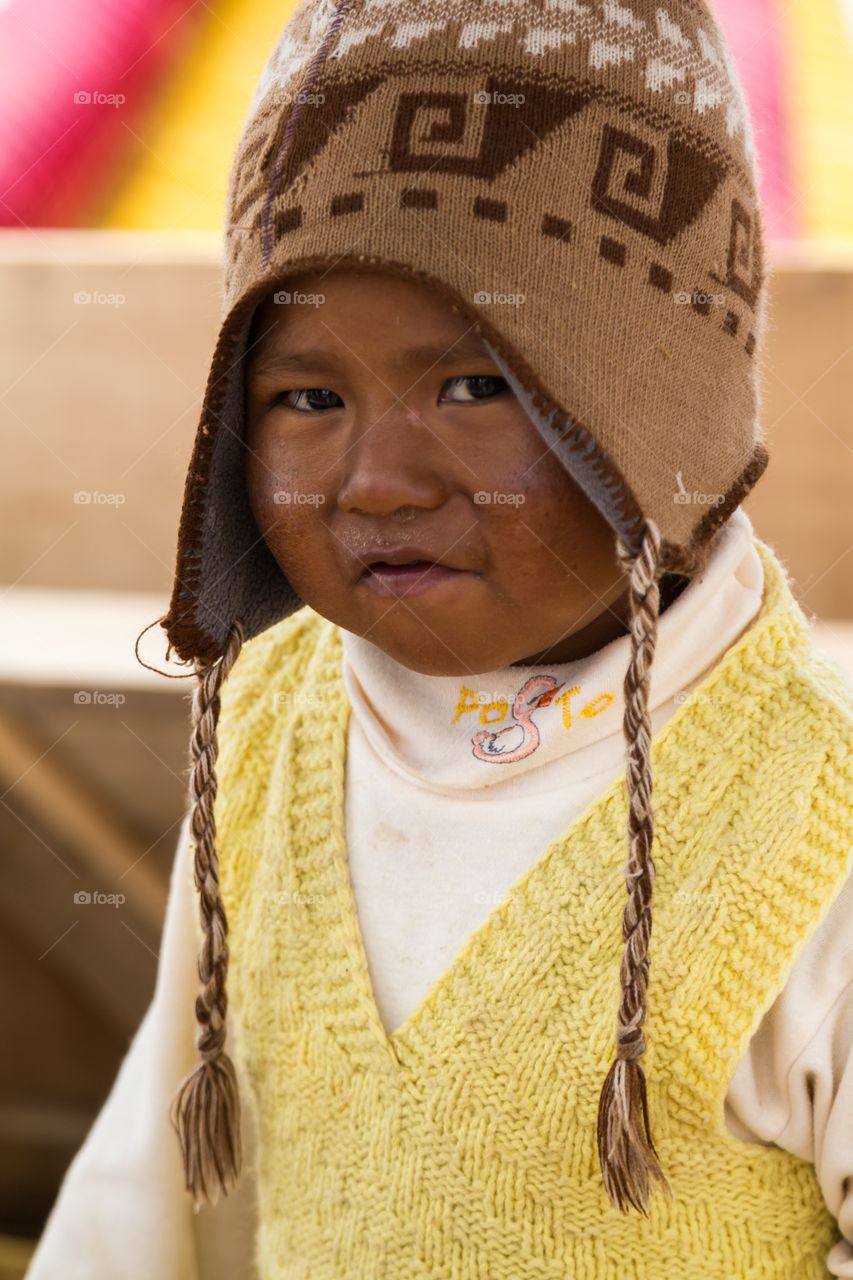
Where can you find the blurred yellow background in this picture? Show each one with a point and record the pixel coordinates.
(124, 201)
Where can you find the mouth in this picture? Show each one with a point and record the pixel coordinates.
(409, 579)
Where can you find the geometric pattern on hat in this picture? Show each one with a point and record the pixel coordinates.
(578, 180)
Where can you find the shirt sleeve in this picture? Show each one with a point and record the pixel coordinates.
(122, 1209)
(794, 1087)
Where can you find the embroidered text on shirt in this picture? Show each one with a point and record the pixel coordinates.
(538, 691)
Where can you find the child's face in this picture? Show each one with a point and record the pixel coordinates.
(385, 426)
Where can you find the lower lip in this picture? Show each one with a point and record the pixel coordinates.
(407, 579)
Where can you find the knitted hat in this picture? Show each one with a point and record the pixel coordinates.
(595, 157)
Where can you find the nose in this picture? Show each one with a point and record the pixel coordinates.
(395, 461)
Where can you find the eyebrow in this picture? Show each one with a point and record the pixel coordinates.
(469, 347)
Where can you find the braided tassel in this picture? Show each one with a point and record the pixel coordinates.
(205, 1112)
(625, 1148)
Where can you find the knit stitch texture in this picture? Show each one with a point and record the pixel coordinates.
(463, 1144)
(577, 180)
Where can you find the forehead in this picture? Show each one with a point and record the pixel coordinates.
(344, 309)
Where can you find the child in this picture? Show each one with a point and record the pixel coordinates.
(455, 340)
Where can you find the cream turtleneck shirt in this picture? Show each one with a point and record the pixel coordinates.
(449, 799)
(440, 826)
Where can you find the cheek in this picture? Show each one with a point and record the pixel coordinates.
(286, 513)
(278, 482)
(553, 540)
(263, 481)
(534, 485)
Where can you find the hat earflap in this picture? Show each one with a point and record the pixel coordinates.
(625, 1147)
(205, 1112)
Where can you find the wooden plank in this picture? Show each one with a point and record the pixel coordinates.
(65, 806)
(85, 640)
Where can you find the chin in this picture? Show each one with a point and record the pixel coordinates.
(450, 668)
(432, 641)
(432, 653)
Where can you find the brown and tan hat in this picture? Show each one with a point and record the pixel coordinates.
(594, 157)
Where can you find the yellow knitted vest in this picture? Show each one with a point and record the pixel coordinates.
(462, 1146)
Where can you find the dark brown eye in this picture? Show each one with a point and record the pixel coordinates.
(481, 386)
(289, 399)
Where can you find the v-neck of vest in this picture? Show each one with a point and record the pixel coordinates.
(402, 1045)
(401, 1042)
